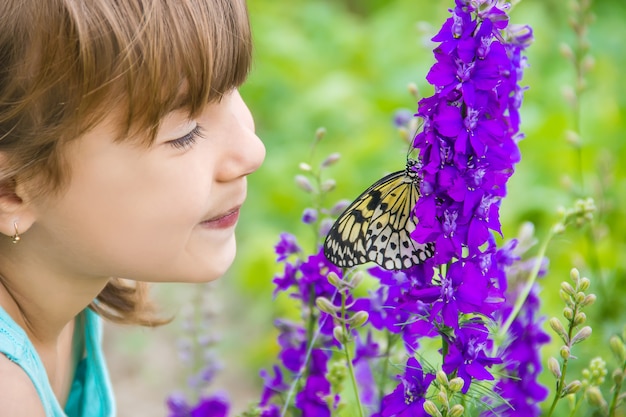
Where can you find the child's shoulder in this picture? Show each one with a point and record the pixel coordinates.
(18, 396)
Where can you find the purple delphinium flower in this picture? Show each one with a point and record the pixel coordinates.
(304, 280)
(272, 385)
(177, 405)
(312, 400)
(213, 406)
(468, 353)
(309, 216)
(468, 149)
(407, 399)
(286, 246)
(518, 385)
(521, 356)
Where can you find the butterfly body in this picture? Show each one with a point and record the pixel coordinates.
(377, 226)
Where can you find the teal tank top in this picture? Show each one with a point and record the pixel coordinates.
(90, 395)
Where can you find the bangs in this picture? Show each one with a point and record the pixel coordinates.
(162, 56)
(140, 58)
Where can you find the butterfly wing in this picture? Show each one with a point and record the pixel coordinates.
(377, 226)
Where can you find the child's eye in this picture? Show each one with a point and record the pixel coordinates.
(188, 140)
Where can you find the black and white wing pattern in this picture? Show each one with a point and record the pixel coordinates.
(377, 226)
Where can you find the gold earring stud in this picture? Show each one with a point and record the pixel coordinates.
(16, 237)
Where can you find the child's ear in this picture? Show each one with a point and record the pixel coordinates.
(15, 211)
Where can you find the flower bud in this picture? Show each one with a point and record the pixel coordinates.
(565, 352)
(456, 384)
(589, 300)
(583, 284)
(325, 305)
(580, 318)
(618, 348)
(574, 274)
(331, 159)
(358, 319)
(572, 387)
(579, 297)
(431, 409)
(442, 396)
(582, 334)
(328, 185)
(304, 183)
(337, 373)
(309, 216)
(568, 313)
(588, 63)
(586, 374)
(340, 335)
(413, 90)
(334, 280)
(305, 167)
(567, 287)
(456, 411)
(339, 208)
(442, 378)
(556, 325)
(618, 376)
(554, 367)
(594, 396)
(558, 228)
(320, 133)
(565, 297)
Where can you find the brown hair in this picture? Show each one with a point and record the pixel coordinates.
(65, 63)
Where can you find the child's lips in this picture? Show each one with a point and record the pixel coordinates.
(223, 220)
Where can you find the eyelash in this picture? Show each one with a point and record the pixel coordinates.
(188, 140)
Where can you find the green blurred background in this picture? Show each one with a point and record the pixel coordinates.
(345, 65)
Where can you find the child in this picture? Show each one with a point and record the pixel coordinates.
(124, 151)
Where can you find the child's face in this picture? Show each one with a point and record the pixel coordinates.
(166, 213)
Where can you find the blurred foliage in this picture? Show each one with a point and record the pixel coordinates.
(345, 65)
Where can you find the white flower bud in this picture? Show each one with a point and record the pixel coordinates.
(554, 367)
(304, 183)
(583, 334)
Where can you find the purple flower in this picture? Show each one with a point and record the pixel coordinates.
(521, 353)
(286, 246)
(408, 398)
(177, 405)
(309, 216)
(271, 385)
(312, 399)
(468, 149)
(402, 118)
(271, 410)
(467, 354)
(213, 406)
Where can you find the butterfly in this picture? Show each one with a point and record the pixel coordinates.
(377, 226)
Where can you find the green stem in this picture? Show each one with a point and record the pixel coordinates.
(616, 392)
(353, 377)
(346, 349)
(383, 377)
(559, 388)
(561, 383)
(575, 409)
(311, 324)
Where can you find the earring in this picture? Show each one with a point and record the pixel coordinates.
(16, 237)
